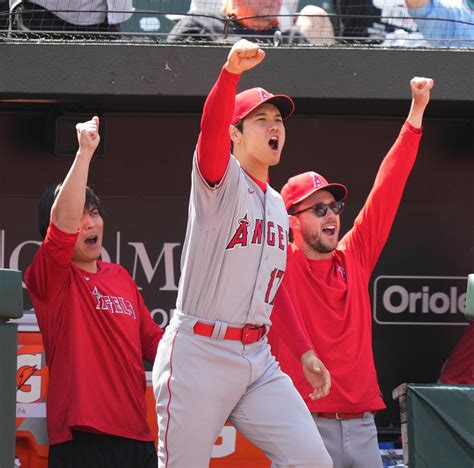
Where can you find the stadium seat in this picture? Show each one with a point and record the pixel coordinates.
(155, 16)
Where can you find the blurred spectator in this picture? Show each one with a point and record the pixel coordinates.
(384, 22)
(70, 15)
(444, 24)
(259, 19)
(314, 23)
(316, 29)
(4, 10)
(211, 7)
(459, 368)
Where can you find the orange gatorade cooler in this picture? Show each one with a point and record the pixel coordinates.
(231, 450)
(32, 384)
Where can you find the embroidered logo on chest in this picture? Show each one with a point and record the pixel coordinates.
(114, 304)
(342, 272)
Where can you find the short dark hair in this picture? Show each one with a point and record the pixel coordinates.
(46, 202)
(240, 127)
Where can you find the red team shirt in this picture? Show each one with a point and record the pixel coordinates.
(332, 298)
(459, 368)
(96, 329)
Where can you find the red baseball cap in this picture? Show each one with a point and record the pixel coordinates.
(247, 101)
(303, 185)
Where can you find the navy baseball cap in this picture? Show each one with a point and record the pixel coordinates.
(247, 101)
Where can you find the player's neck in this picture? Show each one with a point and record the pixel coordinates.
(255, 169)
(311, 253)
(262, 185)
(90, 267)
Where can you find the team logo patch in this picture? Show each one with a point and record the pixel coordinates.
(240, 235)
(317, 181)
(264, 94)
(342, 272)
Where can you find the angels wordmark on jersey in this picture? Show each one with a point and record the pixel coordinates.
(116, 305)
(276, 235)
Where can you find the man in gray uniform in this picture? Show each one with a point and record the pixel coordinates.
(214, 362)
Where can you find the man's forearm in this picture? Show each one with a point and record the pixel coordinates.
(67, 210)
(68, 207)
(415, 116)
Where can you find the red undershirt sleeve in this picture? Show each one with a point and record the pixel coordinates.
(213, 146)
(372, 226)
(286, 324)
(150, 332)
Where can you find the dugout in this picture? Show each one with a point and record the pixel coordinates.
(350, 104)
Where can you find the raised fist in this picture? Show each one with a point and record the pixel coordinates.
(88, 135)
(243, 56)
(420, 89)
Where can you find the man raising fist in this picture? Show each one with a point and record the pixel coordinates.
(327, 281)
(214, 362)
(96, 330)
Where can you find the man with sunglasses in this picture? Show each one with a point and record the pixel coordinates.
(327, 281)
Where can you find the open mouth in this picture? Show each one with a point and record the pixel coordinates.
(329, 230)
(273, 143)
(92, 240)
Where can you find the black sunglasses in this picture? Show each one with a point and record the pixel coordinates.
(320, 209)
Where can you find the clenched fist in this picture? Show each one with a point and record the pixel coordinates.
(88, 135)
(243, 56)
(420, 90)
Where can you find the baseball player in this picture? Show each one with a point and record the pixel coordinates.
(96, 330)
(214, 362)
(334, 302)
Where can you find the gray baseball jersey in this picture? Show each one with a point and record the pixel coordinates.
(233, 261)
(234, 254)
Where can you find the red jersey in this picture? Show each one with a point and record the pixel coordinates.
(332, 298)
(459, 368)
(96, 329)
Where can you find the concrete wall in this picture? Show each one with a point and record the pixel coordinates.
(160, 78)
